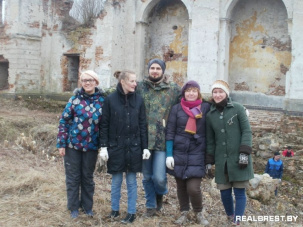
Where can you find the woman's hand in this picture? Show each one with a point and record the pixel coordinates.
(170, 163)
(62, 151)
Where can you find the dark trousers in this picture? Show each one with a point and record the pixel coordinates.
(189, 190)
(79, 170)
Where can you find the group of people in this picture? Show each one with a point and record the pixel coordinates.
(155, 127)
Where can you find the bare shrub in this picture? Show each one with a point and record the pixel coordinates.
(85, 11)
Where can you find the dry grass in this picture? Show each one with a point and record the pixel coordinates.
(32, 192)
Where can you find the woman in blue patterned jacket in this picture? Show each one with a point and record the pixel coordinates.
(78, 142)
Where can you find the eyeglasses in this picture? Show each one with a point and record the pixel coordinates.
(89, 81)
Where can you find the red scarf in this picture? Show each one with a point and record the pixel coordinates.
(192, 109)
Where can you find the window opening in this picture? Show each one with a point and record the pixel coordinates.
(4, 65)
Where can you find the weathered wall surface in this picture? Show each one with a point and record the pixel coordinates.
(28, 42)
(255, 45)
(167, 38)
(260, 49)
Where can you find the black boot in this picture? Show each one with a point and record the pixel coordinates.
(159, 199)
(150, 212)
(113, 214)
(129, 218)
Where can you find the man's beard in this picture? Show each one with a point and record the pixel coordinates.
(153, 79)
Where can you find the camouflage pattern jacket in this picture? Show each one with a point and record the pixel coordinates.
(158, 98)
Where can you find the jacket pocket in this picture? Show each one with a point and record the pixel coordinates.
(113, 144)
(136, 142)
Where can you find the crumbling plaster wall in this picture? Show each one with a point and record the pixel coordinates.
(21, 45)
(209, 49)
(203, 25)
(116, 37)
(293, 79)
(167, 38)
(118, 40)
(260, 47)
(32, 44)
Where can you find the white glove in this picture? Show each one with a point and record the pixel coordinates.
(170, 163)
(279, 180)
(103, 154)
(146, 154)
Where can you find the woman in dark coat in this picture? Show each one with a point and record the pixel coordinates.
(123, 140)
(185, 149)
(229, 142)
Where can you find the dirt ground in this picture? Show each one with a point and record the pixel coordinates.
(32, 180)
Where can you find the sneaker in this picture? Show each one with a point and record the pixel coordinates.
(89, 213)
(200, 219)
(114, 214)
(74, 213)
(150, 212)
(129, 218)
(159, 199)
(182, 219)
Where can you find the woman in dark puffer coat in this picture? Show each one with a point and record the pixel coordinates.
(185, 149)
(123, 139)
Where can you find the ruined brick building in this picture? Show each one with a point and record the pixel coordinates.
(254, 45)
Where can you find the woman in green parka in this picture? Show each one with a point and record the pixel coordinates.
(229, 142)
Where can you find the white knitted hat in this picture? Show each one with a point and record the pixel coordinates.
(221, 84)
(92, 74)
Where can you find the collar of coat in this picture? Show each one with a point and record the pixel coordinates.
(80, 92)
(229, 105)
(162, 84)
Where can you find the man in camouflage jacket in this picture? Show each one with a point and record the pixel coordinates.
(159, 96)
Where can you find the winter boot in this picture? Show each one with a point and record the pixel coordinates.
(113, 214)
(89, 213)
(150, 212)
(129, 218)
(159, 199)
(182, 219)
(200, 219)
(74, 214)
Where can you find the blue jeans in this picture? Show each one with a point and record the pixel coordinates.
(131, 182)
(80, 185)
(154, 177)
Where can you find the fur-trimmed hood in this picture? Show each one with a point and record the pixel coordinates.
(80, 90)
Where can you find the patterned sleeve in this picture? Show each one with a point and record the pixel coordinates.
(64, 124)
